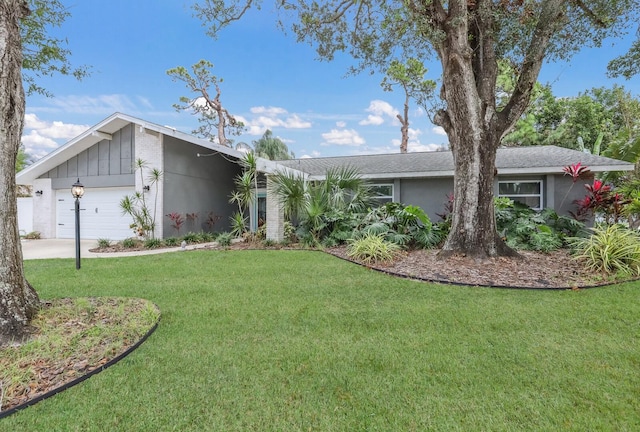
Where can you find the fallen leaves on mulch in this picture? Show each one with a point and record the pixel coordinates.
(533, 270)
(71, 338)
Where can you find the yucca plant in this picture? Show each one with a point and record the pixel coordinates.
(372, 248)
(136, 206)
(613, 249)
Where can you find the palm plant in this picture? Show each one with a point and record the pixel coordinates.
(322, 208)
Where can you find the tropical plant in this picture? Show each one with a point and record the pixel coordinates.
(372, 248)
(238, 224)
(526, 229)
(130, 243)
(137, 206)
(407, 226)
(272, 148)
(191, 237)
(104, 243)
(224, 239)
(172, 241)
(152, 243)
(322, 208)
(176, 221)
(612, 249)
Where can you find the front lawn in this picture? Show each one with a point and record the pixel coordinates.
(300, 340)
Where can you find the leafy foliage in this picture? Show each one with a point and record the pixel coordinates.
(524, 228)
(224, 239)
(324, 210)
(137, 206)
(104, 242)
(611, 249)
(215, 121)
(372, 248)
(272, 148)
(45, 55)
(407, 226)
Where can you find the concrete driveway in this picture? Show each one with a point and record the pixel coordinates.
(66, 248)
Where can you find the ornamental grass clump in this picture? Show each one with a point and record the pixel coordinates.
(372, 248)
(613, 249)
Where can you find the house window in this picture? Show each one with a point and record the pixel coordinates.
(382, 193)
(527, 192)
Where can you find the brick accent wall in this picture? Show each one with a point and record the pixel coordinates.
(149, 147)
(275, 216)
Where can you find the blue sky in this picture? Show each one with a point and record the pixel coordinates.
(270, 81)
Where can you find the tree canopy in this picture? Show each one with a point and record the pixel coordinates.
(215, 121)
(469, 38)
(271, 147)
(45, 55)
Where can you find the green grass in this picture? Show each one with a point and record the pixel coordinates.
(299, 340)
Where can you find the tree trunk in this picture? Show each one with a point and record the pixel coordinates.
(18, 300)
(404, 124)
(474, 130)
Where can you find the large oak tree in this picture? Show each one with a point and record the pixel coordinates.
(468, 38)
(27, 52)
(18, 301)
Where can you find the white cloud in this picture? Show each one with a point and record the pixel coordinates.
(439, 130)
(380, 110)
(348, 137)
(102, 104)
(40, 136)
(270, 111)
(270, 118)
(417, 147)
(314, 154)
(372, 120)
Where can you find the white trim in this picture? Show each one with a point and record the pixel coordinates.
(540, 196)
(384, 198)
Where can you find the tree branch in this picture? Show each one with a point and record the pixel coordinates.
(591, 14)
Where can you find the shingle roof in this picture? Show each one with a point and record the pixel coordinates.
(510, 160)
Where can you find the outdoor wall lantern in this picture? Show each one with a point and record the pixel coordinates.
(77, 190)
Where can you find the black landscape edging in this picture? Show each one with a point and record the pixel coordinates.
(446, 282)
(78, 380)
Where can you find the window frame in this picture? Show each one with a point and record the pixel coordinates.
(383, 199)
(512, 196)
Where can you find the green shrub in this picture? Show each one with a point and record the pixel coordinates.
(104, 243)
(268, 242)
(191, 238)
(613, 249)
(207, 237)
(33, 235)
(224, 239)
(372, 248)
(152, 243)
(527, 229)
(238, 224)
(172, 241)
(130, 243)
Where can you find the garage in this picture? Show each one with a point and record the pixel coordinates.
(100, 214)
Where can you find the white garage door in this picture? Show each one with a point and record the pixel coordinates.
(100, 214)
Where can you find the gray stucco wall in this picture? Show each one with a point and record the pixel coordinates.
(566, 192)
(199, 185)
(105, 164)
(431, 194)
